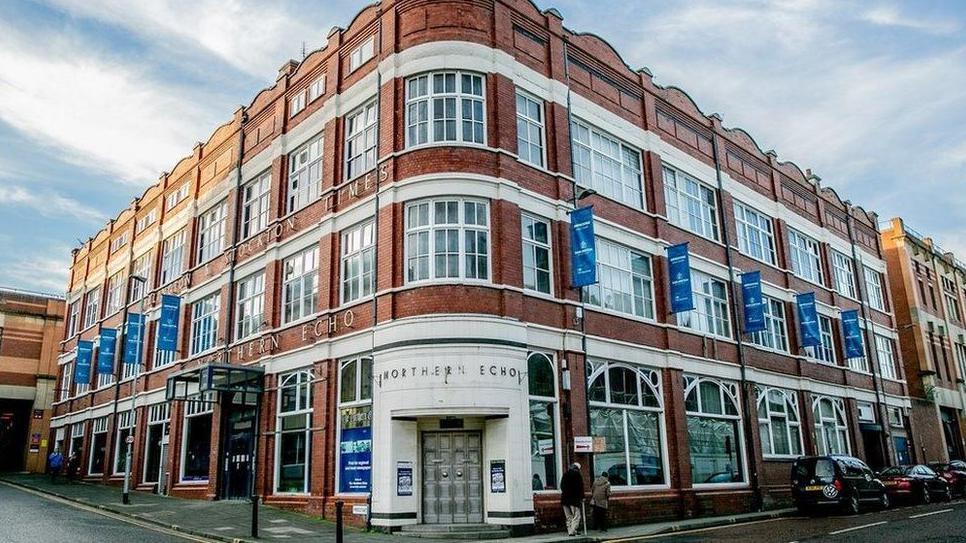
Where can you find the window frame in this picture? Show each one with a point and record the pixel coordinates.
(720, 309)
(301, 193)
(766, 416)
(255, 205)
(744, 227)
(369, 127)
(875, 295)
(116, 289)
(358, 401)
(827, 348)
(838, 408)
(92, 307)
(431, 228)
(204, 338)
(775, 335)
(142, 267)
(310, 274)
(728, 390)
(843, 270)
(211, 224)
(885, 353)
(801, 245)
(362, 54)
(554, 402)
(530, 123)
(680, 199)
(351, 254)
(586, 149)
(533, 246)
(429, 98)
(615, 270)
(200, 406)
(173, 257)
(303, 378)
(249, 306)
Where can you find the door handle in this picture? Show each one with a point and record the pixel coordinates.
(445, 474)
(459, 473)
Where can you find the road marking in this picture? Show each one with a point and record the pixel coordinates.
(696, 530)
(920, 515)
(109, 514)
(852, 529)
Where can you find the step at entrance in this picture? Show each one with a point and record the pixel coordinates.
(471, 532)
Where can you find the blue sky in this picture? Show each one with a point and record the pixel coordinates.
(97, 97)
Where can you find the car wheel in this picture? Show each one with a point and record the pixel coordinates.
(852, 506)
(924, 496)
(884, 501)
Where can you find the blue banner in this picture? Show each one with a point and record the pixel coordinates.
(808, 320)
(852, 333)
(679, 271)
(753, 302)
(133, 338)
(168, 325)
(105, 355)
(583, 250)
(82, 366)
(355, 459)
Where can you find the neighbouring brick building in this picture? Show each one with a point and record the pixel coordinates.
(384, 233)
(928, 285)
(31, 327)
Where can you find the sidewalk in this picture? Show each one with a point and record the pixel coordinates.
(230, 521)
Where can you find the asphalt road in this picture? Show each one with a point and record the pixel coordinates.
(935, 523)
(29, 518)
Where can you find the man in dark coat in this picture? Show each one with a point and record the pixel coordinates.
(572, 496)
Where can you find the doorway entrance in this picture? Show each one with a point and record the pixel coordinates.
(452, 469)
(238, 444)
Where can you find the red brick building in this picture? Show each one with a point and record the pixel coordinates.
(384, 233)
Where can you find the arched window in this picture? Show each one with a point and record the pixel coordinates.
(626, 410)
(831, 430)
(778, 422)
(293, 426)
(542, 387)
(714, 430)
(355, 426)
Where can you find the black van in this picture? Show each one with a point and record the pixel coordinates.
(835, 482)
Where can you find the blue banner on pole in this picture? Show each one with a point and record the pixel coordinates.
(753, 302)
(105, 355)
(133, 338)
(808, 320)
(168, 325)
(583, 250)
(679, 271)
(852, 333)
(82, 366)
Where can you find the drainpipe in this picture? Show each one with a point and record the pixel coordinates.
(750, 455)
(375, 274)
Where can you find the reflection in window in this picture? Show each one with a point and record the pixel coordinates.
(714, 435)
(543, 421)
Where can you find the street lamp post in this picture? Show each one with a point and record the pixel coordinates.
(126, 496)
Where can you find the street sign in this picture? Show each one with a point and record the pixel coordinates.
(583, 444)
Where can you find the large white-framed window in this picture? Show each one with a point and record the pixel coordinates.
(115, 293)
(714, 431)
(255, 202)
(626, 408)
(537, 253)
(806, 262)
(172, 256)
(710, 313)
(886, 354)
(249, 305)
(304, 174)
(142, 268)
(211, 232)
(73, 319)
(66, 378)
(196, 440)
(92, 307)
(831, 430)
(775, 334)
(691, 204)
(756, 236)
(625, 281)
(542, 390)
(294, 428)
(445, 107)
(360, 140)
(204, 323)
(779, 424)
(606, 164)
(300, 285)
(159, 417)
(826, 351)
(844, 275)
(530, 129)
(873, 288)
(358, 261)
(125, 428)
(355, 426)
(98, 448)
(447, 239)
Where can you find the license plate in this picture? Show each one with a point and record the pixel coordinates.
(813, 488)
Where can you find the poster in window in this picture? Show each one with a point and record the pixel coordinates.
(355, 450)
(497, 476)
(404, 479)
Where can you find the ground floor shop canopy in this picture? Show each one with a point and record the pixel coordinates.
(215, 378)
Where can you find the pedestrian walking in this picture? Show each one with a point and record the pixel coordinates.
(571, 497)
(73, 465)
(599, 498)
(55, 462)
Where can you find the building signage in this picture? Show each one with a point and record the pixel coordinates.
(105, 355)
(168, 326)
(583, 444)
(498, 476)
(808, 320)
(679, 271)
(852, 333)
(754, 313)
(82, 367)
(446, 373)
(327, 325)
(404, 478)
(261, 240)
(133, 338)
(355, 450)
(583, 251)
(544, 447)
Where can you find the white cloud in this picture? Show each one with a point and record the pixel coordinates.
(93, 111)
(48, 204)
(889, 15)
(40, 271)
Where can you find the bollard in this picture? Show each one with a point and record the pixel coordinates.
(338, 521)
(255, 517)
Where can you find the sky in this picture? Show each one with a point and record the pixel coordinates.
(98, 97)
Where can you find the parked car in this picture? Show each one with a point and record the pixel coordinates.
(955, 474)
(823, 483)
(915, 482)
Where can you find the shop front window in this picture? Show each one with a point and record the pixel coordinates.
(294, 432)
(355, 426)
(714, 433)
(831, 430)
(542, 387)
(196, 448)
